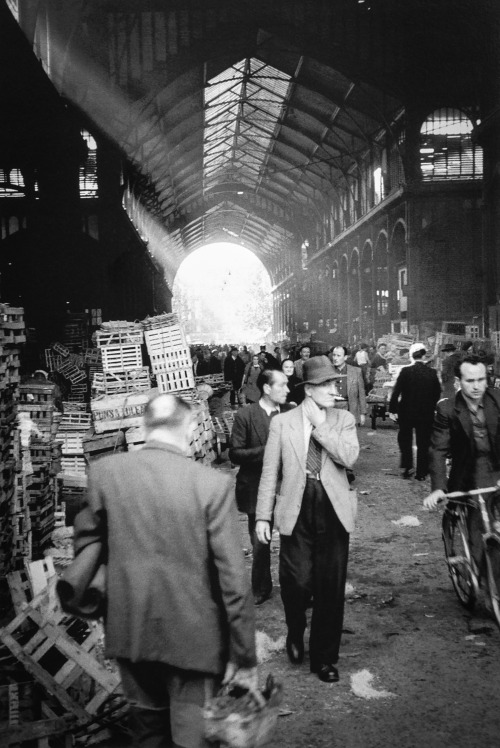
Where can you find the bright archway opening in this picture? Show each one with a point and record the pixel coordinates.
(222, 294)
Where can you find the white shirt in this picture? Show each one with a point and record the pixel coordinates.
(269, 408)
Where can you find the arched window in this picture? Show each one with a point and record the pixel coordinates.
(446, 147)
(88, 170)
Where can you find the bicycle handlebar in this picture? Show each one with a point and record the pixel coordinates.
(474, 492)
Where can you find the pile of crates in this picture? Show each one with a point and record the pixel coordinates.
(75, 422)
(120, 346)
(71, 366)
(38, 462)
(169, 353)
(12, 336)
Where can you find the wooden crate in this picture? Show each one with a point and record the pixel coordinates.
(73, 464)
(168, 359)
(114, 412)
(175, 381)
(75, 419)
(112, 383)
(71, 442)
(119, 336)
(161, 320)
(99, 445)
(134, 438)
(163, 339)
(121, 357)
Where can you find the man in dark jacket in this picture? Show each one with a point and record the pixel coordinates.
(467, 428)
(234, 369)
(412, 404)
(179, 609)
(248, 441)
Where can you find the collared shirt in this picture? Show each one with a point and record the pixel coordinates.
(270, 409)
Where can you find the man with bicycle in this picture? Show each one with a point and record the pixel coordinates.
(467, 430)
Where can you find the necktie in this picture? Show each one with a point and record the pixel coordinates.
(313, 462)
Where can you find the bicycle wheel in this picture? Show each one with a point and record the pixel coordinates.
(458, 556)
(493, 574)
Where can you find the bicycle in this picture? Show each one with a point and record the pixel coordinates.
(463, 570)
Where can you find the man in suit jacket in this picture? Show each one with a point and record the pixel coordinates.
(467, 428)
(179, 608)
(412, 405)
(311, 446)
(355, 396)
(248, 441)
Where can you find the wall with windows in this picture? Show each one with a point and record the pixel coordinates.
(403, 245)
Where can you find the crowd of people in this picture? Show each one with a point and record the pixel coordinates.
(180, 608)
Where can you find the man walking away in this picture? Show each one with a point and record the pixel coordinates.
(412, 405)
(179, 609)
(314, 511)
(248, 440)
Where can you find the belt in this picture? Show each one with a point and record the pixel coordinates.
(312, 476)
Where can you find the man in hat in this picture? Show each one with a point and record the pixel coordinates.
(412, 405)
(310, 448)
(450, 360)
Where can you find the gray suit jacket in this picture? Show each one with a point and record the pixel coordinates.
(286, 451)
(356, 395)
(177, 585)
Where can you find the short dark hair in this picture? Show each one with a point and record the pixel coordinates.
(266, 377)
(166, 411)
(381, 344)
(473, 360)
(233, 348)
(418, 355)
(305, 345)
(344, 348)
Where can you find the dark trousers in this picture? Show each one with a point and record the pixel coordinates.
(423, 430)
(262, 583)
(166, 704)
(313, 566)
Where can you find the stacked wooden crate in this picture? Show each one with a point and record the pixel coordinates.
(71, 366)
(12, 336)
(169, 353)
(38, 456)
(121, 355)
(74, 425)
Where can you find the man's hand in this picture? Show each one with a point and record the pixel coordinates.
(245, 677)
(393, 417)
(316, 415)
(263, 531)
(433, 499)
(362, 420)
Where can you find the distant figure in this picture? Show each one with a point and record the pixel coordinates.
(179, 609)
(412, 405)
(250, 392)
(305, 354)
(295, 394)
(233, 373)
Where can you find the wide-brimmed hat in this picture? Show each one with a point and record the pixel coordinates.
(317, 370)
(448, 347)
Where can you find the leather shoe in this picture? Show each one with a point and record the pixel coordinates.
(259, 599)
(295, 651)
(420, 477)
(408, 473)
(326, 673)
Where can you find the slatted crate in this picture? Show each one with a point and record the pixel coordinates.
(39, 393)
(114, 382)
(162, 340)
(100, 445)
(124, 335)
(75, 420)
(135, 438)
(169, 359)
(175, 381)
(53, 360)
(121, 357)
(71, 442)
(169, 319)
(92, 357)
(73, 464)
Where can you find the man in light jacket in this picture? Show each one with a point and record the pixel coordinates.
(179, 611)
(312, 446)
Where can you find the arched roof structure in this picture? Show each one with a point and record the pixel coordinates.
(240, 120)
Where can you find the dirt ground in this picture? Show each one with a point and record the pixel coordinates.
(438, 664)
